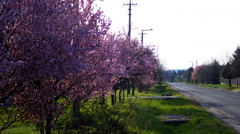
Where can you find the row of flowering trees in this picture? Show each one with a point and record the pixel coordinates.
(54, 53)
(208, 73)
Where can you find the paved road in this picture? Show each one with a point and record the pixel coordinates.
(223, 104)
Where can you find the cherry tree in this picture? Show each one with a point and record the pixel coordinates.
(146, 68)
(137, 65)
(196, 73)
(10, 20)
(55, 53)
(47, 53)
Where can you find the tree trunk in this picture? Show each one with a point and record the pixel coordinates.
(123, 86)
(133, 87)
(49, 123)
(128, 86)
(119, 95)
(41, 127)
(115, 95)
(230, 82)
(112, 98)
(103, 99)
(76, 108)
(123, 94)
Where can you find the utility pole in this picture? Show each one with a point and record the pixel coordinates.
(142, 37)
(130, 13)
(129, 29)
(144, 33)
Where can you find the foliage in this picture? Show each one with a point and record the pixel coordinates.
(138, 115)
(214, 72)
(199, 74)
(54, 53)
(143, 115)
(159, 74)
(43, 56)
(227, 73)
(170, 75)
(187, 75)
(209, 73)
(95, 117)
(235, 64)
(231, 69)
(178, 79)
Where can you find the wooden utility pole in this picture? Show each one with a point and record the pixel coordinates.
(130, 13)
(129, 26)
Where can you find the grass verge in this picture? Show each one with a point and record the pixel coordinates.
(143, 116)
(219, 86)
(18, 128)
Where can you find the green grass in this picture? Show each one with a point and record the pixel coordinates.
(221, 86)
(143, 116)
(18, 128)
(157, 90)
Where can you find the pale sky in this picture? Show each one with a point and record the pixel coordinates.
(183, 30)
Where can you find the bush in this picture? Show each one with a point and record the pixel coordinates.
(95, 118)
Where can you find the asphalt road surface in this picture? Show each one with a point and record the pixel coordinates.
(225, 105)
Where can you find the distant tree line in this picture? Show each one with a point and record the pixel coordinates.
(209, 73)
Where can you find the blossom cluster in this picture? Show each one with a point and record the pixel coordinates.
(61, 49)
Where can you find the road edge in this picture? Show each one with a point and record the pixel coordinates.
(225, 118)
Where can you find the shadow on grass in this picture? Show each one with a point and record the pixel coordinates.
(160, 88)
(146, 115)
(147, 118)
(176, 102)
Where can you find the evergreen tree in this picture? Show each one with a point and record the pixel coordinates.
(214, 72)
(227, 73)
(187, 75)
(235, 63)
